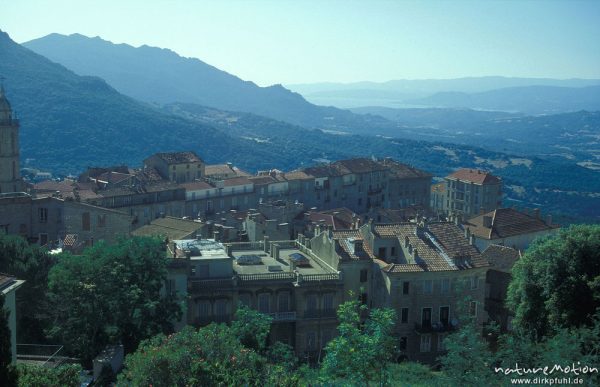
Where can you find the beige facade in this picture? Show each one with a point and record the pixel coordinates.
(470, 192)
(177, 167)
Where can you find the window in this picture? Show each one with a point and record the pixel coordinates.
(326, 336)
(403, 343)
(360, 201)
(426, 317)
(311, 303)
(427, 287)
(363, 275)
(221, 308)
(43, 239)
(393, 252)
(445, 287)
(311, 340)
(173, 167)
(85, 221)
(404, 315)
(425, 343)
(473, 308)
(444, 315)
(170, 286)
(101, 220)
(283, 302)
(203, 309)
(43, 215)
(328, 301)
(440, 343)
(174, 176)
(381, 253)
(363, 298)
(474, 282)
(263, 302)
(405, 287)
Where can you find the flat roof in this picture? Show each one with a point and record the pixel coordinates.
(202, 248)
(283, 262)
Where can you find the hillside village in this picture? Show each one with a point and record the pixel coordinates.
(291, 244)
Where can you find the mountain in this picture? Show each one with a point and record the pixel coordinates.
(527, 99)
(69, 122)
(397, 93)
(161, 76)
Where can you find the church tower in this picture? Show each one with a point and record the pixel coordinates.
(10, 175)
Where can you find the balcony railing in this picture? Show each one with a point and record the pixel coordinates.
(285, 276)
(283, 316)
(433, 327)
(202, 284)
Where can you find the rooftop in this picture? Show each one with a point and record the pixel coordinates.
(506, 222)
(202, 248)
(403, 171)
(358, 165)
(475, 176)
(271, 265)
(501, 258)
(179, 157)
(172, 228)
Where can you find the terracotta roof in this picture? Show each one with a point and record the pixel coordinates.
(343, 214)
(260, 180)
(148, 174)
(501, 258)
(53, 186)
(179, 157)
(506, 222)
(474, 175)
(324, 170)
(218, 169)
(437, 245)
(358, 165)
(196, 185)
(113, 177)
(298, 175)
(234, 181)
(403, 171)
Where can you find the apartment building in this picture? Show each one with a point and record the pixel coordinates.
(177, 167)
(470, 192)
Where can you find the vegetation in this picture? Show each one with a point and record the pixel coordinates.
(557, 283)
(32, 264)
(61, 376)
(7, 371)
(362, 350)
(110, 294)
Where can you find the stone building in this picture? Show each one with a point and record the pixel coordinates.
(45, 220)
(470, 192)
(177, 167)
(10, 174)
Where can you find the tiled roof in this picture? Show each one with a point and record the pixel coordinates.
(196, 186)
(474, 175)
(148, 174)
(260, 180)
(501, 258)
(5, 281)
(298, 175)
(436, 251)
(506, 222)
(179, 157)
(403, 171)
(173, 228)
(113, 177)
(402, 268)
(51, 185)
(358, 165)
(218, 169)
(343, 214)
(324, 170)
(242, 180)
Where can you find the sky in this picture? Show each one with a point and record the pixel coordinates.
(291, 42)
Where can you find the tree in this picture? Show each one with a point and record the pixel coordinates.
(7, 371)
(251, 327)
(38, 376)
(111, 294)
(361, 351)
(32, 264)
(557, 282)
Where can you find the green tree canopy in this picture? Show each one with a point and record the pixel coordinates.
(111, 294)
(557, 282)
(7, 371)
(361, 351)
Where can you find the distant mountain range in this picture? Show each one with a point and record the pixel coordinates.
(415, 93)
(161, 76)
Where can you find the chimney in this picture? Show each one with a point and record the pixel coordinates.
(471, 239)
(549, 220)
(487, 221)
(406, 242)
(174, 250)
(266, 244)
(481, 211)
(410, 249)
(536, 213)
(415, 255)
(275, 250)
(467, 232)
(216, 235)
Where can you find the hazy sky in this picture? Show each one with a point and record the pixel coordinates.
(340, 41)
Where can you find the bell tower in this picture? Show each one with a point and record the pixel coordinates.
(10, 175)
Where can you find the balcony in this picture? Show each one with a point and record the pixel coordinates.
(320, 313)
(283, 316)
(434, 327)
